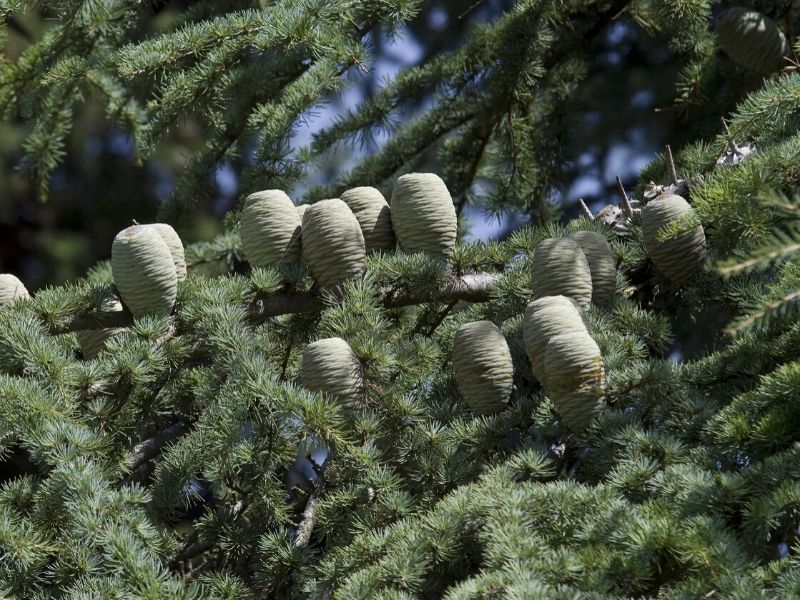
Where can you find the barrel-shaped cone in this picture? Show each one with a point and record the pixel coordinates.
(482, 366)
(752, 40)
(423, 215)
(545, 318)
(11, 288)
(602, 265)
(560, 268)
(92, 341)
(144, 271)
(574, 378)
(331, 366)
(270, 229)
(374, 216)
(175, 245)
(678, 257)
(333, 245)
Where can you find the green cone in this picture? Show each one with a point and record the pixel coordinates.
(602, 265)
(560, 268)
(574, 378)
(11, 288)
(331, 366)
(175, 245)
(752, 40)
(333, 245)
(545, 318)
(482, 366)
(374, 216)
(144, 271)
(680, 257)
(93, 341)
(270, 229)
(423, 215)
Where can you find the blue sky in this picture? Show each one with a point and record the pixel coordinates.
(626, 158)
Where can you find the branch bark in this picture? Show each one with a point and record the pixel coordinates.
(306, 527)
(147, 449)
(191, 552)
(477, 287)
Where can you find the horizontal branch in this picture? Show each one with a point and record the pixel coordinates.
(147, 449)
(469, 288)
(100, 319)
(191, 552)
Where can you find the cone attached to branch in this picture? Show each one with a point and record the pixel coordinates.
(602, 265)
(482, 366)
(679, 257)
(676, 186)
(331, 366)
(374, 216)
(545, 318)
(616, 216)
(734, 153)
(93, 341)
(333, 245)
(270, 229)
(144, 271)
(574, 378)
(175, 245)
(423, 215)
(752, 40)
(560, 268)
(11, 288)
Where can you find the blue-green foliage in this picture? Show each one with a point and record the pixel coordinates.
(182, 461)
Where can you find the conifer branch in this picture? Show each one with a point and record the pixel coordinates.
(306, 526)
(191, 551)
(784, 308)
(286, 355)
(473, 169)
(100, 319)
(476, 287)
(598, 23)
(779, 247)
(147, 449)
(440, 318)
(470, 288)
(760, 260)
